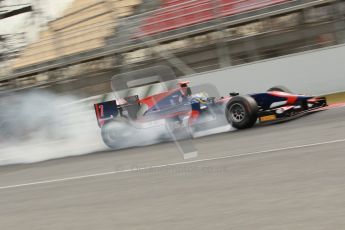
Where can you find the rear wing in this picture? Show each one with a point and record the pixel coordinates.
(105, 111)
(128, 107)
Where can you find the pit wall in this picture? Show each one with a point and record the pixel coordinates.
(315, 72)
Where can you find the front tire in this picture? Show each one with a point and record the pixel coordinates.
(242, 112)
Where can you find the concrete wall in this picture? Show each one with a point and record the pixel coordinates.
(314, 72)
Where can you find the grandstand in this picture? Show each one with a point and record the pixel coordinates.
(96, 39)
(175, 14)
(85, 26)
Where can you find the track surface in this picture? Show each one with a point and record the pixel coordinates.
(285, 176)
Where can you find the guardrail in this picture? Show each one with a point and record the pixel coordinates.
(301, 73)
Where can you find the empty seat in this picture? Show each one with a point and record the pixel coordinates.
(231, 7)
(177, 13)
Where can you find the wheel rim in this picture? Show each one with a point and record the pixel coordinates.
(237, 112)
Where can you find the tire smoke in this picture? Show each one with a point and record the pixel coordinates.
(38, 125)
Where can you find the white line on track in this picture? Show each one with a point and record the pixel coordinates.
(168, 165)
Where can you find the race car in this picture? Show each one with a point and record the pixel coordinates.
(178, 108)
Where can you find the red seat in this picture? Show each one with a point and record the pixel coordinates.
(173, 2)
(178, 16)
(184, 5)
(197, 14)
(231, 7)
(180, 13)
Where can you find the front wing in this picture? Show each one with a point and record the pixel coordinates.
(291, 112)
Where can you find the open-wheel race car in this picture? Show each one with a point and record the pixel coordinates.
(126, 118)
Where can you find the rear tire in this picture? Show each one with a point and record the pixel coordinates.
(279, 88)
(242, 112)
(116, 133)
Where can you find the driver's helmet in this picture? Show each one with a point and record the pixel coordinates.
(200, 97)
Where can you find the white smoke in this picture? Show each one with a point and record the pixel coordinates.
(38, 126)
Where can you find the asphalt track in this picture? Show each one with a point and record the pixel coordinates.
(283, 176)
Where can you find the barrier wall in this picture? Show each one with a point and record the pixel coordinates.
(316, 72)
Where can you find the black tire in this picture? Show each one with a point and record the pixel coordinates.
(116, 133)
(279, 88)
(242, 112)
